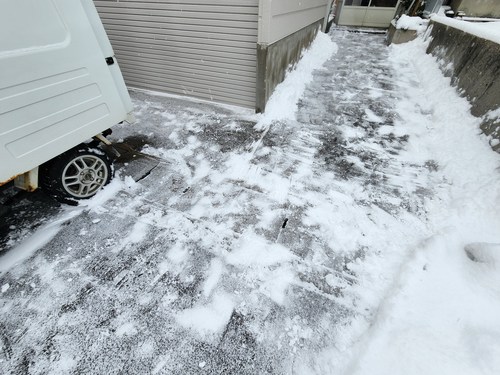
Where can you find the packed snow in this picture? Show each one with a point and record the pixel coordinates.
(352, 229)
(441, 314)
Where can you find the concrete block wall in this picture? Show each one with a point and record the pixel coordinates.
(474, 65)
(399, 36)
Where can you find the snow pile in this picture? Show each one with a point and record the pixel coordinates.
(442, 313)
(210, 318)
(442, 317)
(494, 114)
(116, 185)
(485, 30)
(411, 23)
(282, 104)
(254, 250)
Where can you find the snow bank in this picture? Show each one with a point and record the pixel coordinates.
(485, 30)
(442, 314)
(442, 317)
(282, 104)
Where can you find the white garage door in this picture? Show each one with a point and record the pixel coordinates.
(200, 48)
(370, 13)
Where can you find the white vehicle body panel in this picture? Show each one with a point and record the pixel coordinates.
(56, 89)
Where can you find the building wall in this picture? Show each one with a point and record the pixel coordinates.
(281, 18)
(478, 8)
(204, 49)
(365, 13)
(229, 51)
(286, 28)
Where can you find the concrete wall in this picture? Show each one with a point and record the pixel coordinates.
(274, 60)
(399, 36)
(478, 8)
(286, 27)
(474, 65)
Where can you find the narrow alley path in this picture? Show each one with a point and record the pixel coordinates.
(243, 251)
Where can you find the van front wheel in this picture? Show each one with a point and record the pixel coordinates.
(77, 174)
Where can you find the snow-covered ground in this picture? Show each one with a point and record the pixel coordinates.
(441, 312)
(352, 229)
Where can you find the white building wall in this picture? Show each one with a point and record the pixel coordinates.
(280, 18)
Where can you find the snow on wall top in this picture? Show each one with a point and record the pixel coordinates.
(485, 30)
(411, 23)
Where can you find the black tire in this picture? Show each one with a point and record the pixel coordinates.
(77, 174)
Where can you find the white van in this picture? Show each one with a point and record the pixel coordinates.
(60, 85)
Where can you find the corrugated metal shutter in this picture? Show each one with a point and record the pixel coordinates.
(199, 48)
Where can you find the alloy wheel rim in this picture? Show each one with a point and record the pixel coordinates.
(84, 176)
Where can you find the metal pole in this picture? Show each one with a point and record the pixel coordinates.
(328, 10)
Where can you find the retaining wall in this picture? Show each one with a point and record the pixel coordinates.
(474, 65)
(274, 60)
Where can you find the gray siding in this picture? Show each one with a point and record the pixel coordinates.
(186, 47)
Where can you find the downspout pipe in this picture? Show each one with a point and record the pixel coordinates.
(329, 7)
